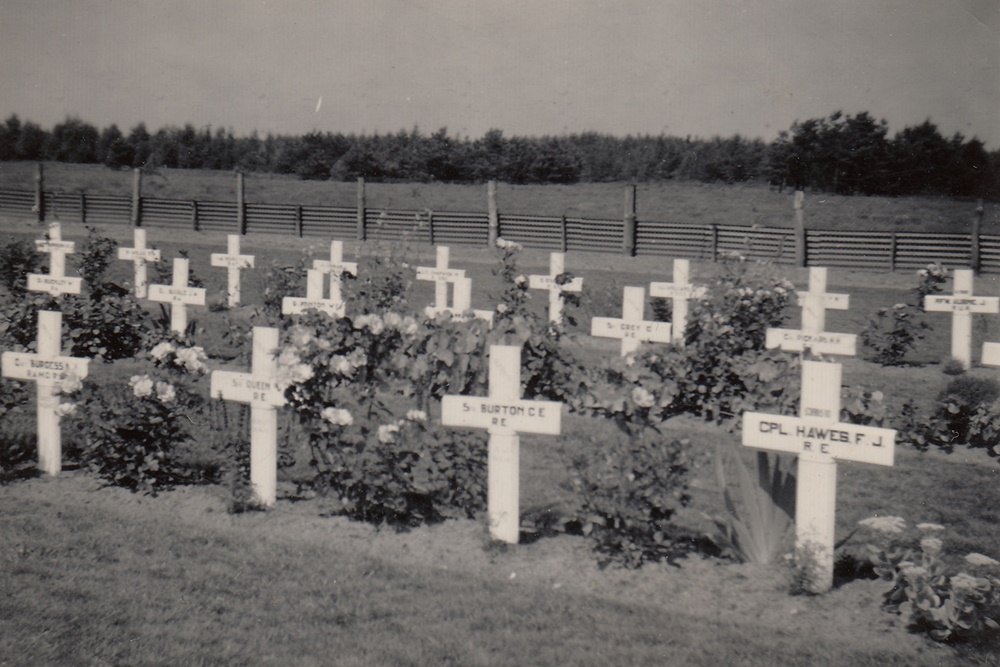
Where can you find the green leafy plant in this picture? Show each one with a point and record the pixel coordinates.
(952, 366)
(95, 256)
(630, 491)
(759, 519)
(895, 331)
(948, 605)
(17, 260)
(384, 281)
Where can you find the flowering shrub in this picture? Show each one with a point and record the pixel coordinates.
(949, 605)
(895, 331)
(17, 446)
(630, 491)
(129, 433)
(966, 412)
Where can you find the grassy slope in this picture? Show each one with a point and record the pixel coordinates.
(694, 203)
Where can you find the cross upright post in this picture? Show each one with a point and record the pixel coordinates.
(680, 292)
(179, 295)
(631, 328)
(819, 439)
(314, 300)
(258, 388)
(234, 262)
(441, 275)
(56, 282)
(962, 304)
(336, 267)
(140, 255)
(462, 309)
(47, 369)
(505, 415)
(557, 267)
(813, 336)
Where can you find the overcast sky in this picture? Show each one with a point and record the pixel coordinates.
(528, 67)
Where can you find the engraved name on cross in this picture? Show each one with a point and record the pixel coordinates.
(441, 275)
(140, 255)
(259, 389)
(631, 328)
(814, 304)
(336, 267)
(819, 439)
(47, 369)
(504, 415)
(294, 305)
(962, 304)
(56, 282)
(179, 295)
(233, 261)
(557, 267)
(680, 292)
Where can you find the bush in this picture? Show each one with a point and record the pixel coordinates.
(630, 490)
(96, 254)
(893, 332)
(966, 412)
(17, 260)
(960, 401)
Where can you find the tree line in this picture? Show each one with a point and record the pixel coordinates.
(841, 153)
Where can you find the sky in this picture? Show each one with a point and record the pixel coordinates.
(696, 68)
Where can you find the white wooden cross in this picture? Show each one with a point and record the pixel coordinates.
(504, 415)
(680, 292)
(462, 309)
(56, 282)
(258, 388)
(814, 304)
(234, 262)
(139, 255)
(47, 369)
(178, 295)
(441, 275)
(631, 328)
(557, 266)
(991, 354)
(961, 305)
(336, 267)
(819, 439)
(314, 300)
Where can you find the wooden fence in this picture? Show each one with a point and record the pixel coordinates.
(876, 251)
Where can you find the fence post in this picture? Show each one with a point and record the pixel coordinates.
(493, 221)
(298, 220)
(136, 197)
(241, 217)
(628, 234)
(39, 194)
(713, 240)
(194, 214)
(361, 209)
(430, 225)
(562, 230)
(83, 208)
(977, 223)
(892, 251)
(800, 229)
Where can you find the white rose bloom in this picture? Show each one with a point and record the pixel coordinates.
(142, 385)
(165, 392)
(387, 433)
(416, 415)
(162, 350)
(337, 416)
(65, 409)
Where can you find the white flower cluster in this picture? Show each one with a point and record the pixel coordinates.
(891, 525)
(964, 583)
(191, 359)
(69, 383)
(143, 386)
(416, 415)
(934, 270)
(980, 559)
(378, 323)
(504, 244)
(337, 416)
(643, 397)
(291, 369)
(387, 433)
(65, 409)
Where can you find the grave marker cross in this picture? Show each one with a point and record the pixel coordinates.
(178, 295)
(819, 439)
(680, 292)
(631, 328)
(814, 304)
(557, 267)
(462, 309)
(259, 389)
(56, 282)
(47, 369)
(441, 275)
(139, 255)
(505, 416)
(234, 262)
(293, 305)
(336, 267)
(961, 305)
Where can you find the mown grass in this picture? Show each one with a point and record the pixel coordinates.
(694, 203)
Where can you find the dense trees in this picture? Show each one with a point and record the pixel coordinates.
(841, 153)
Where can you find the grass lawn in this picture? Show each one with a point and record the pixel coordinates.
(94, 576)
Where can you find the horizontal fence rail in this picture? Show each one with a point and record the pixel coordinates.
(877, 251)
